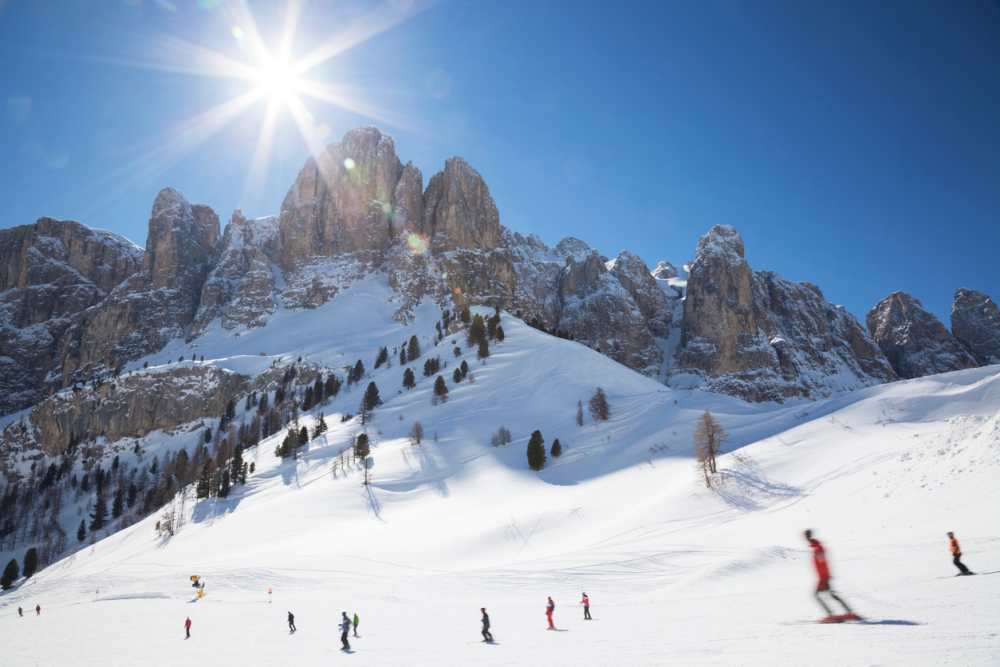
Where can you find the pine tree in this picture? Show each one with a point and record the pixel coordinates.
(536, 451)
(556, 448)
(464, 368)
(30, 562)
(477, 330)
(204, 487)
(599, 408)
(100, 515)
(318, 395)
(456, 376)
(500, 333)
(383, 356)
(409, 381)
(81, 532)
(440, 390)
(10, 574)
(465, 315)
(371, 399)
(402, 356)
(358, 372)
(118, 504)
(413, 349)
(307, 399)
(303, 436)
(133, 491)
(332, 387)
(484, 348)
(492, 324)
(417, 433)
(361, 451)
(225, 484)
(320, 426)
(708, 438)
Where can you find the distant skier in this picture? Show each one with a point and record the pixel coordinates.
(487, 635)
(550, 609)
(38, 610)
(586, 607)
(187, 628)
(956, 551)
(20, 612)
(356, 620)
(345, 627)
(823, 586)
(269, 595)
(291, 622)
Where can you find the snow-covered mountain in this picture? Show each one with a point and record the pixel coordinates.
(215, 380)
(454, 523)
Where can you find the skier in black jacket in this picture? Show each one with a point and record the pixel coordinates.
(291, 622)
(345, 627)
(487, 635)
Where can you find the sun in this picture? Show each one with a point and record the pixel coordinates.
(277, 82)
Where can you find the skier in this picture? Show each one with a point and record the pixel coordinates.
(291, 622)
(187, 628)
(345, 627)
(956, 551)
(20, 612)
(38, 610)
(549, 610)
(586, 607)
(269, 595)
(357, 620)
(487, 635)
(823, 586)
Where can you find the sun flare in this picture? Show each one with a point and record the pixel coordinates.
(277, 82)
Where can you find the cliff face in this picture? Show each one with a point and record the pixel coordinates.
(975, 322)
(51, 272)
(761, 337)
(914, 341)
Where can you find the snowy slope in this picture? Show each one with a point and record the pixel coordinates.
(676, 573)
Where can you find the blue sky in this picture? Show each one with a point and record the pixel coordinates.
(855, 145)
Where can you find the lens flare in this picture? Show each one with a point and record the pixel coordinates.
(417, 243)
(348, 164)
(238, 33)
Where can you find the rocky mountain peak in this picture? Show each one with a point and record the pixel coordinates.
(721, 241)
(664, 270)
(180, 242)
(459, 211)
(914, 340)
(573, 248)
(975, 322)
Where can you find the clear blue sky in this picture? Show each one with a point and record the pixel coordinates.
(853, 144)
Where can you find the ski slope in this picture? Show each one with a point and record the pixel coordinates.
(676, 573)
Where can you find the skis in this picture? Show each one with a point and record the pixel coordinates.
(840, 618)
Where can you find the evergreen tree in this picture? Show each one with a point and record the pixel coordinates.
(204, 487)
(81, 532)
(556, 448)
(409, 381)
(357, 372)
(477, 330)
(402, 356)
(431, 366)
(599, 408)
(417, 433)
(464, 368)
(413, 349)
(361, 451)
(383, 356)
(262, 405)
(320, 427)
(371, 399)
(224, 485)
(100, 515)
(492, 324)
(440, 390)
(457, 351)
(500, 333)
(465, 315)
(118, 504)
(303, 436)
(236, 464)
(30, 562)
(133, 491)
(456, 376)
(332, 387)
(484, 348)
(307, 399)
(10, 574)
(536, 451)
(318, 390)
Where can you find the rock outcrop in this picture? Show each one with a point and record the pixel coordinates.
(240, 289)
(975, 322)
(913, 340)
(52, 271)
(761, 337)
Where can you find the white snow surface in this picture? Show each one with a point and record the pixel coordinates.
(676, 573)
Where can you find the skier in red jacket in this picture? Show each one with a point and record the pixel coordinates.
(187, 628)
(550, 608)
(823, 585)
